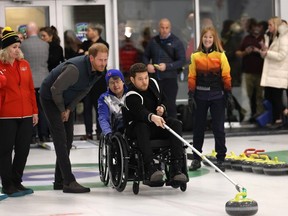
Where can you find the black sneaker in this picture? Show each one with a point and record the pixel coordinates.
(12, 191)
(25, 190)
(57, 185)
(195, 164)
(220, 165)
(75, 187)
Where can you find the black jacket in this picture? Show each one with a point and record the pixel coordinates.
(140, 105)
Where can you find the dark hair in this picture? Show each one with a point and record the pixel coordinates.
(52, 31)
(137, 68)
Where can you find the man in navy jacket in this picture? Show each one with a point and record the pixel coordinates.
(60, 92)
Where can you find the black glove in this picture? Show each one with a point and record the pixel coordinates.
(108, 138)
(191, 102)
(230, 104)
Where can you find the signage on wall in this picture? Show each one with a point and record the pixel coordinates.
(81, 30)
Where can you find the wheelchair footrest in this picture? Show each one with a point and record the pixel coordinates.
(153, 184)
(175, 184)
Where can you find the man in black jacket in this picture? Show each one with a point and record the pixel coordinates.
(146, 117)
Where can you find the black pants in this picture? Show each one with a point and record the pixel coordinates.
(144, 132)
(274, 95)
(15, 135)
(62, 134)
(217, 110)
(170, 89)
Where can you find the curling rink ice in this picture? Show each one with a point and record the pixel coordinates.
(206, 195)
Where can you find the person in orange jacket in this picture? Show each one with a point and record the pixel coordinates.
(18, 114)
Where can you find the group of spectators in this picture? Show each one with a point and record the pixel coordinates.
(150, 98)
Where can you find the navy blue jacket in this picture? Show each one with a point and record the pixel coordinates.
(155, 53)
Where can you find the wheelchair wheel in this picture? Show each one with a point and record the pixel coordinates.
(118, 162)
(183, 187)
(103, 161)
(135, 188)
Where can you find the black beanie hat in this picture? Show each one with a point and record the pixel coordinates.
(9, 37)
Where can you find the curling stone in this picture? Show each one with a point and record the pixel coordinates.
(258, 166)
(248, 163)
(228, 159)
(211, 157)
(237, 163)
(275, 167)
(241, 206)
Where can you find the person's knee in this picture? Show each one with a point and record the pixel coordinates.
(175, 125)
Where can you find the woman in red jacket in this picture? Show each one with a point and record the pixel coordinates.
(18, 114)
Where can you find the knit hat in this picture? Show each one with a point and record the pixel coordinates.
(113, 73)
(9, 37)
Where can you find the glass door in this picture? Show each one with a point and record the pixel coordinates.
(76, 14)
(17, 14)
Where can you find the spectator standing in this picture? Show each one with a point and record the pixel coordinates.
(18, 114)
(36, 52)
(167, 54)
(275, 69)
(128, 55)
(252, 65)
(60, 92)
(72, 44)
(50, 35)
(91, 100)
(209, 84)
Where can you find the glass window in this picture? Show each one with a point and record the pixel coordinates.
(138, 21)
(18, 17)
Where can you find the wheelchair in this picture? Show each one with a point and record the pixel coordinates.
(120, 161)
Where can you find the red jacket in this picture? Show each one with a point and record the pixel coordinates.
(18, 96)
(3, 81)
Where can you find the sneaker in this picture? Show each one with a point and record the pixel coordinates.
(75, 187)
(25, 190)
(57, 186)
(195, 164)
(153, 174)
(220, 165)
(157, 176)
(176, 172)
(12, 191)
(3, 196)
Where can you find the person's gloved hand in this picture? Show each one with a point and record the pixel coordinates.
(230, 104)
(108, 138)
(191, 102)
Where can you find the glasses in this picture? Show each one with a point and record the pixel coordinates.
(114, 82)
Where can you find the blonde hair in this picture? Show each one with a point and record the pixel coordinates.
(276, 22)
(4, 55)
(216, 40)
